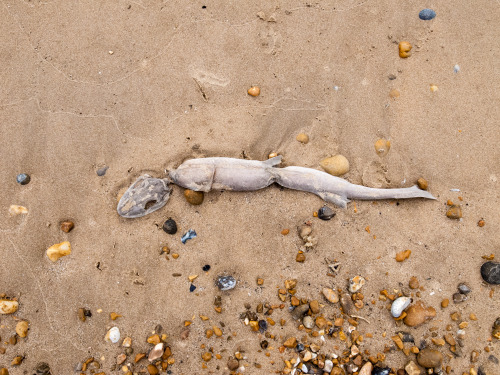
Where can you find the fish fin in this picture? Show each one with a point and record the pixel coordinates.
(336, 199)
(273, 161)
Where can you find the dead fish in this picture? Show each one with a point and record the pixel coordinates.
(337, 190)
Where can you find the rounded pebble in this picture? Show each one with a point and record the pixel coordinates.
(23, 178)
(113, 335)
(399, 305)
(325, 213)
(102, 171)
(404, 49)
(233, 364)
(356, 283)
(454, 212)
(422, 183)
(426, 14)
(225, 282)
(490, 272)
(22, 328)
(299, 311)
(67, 226)
(382, 147)
(8, 307)
(366, 369)
(4, 371)
(194, 197)
(170, 226)
(331, 295)
(418, 314)
(308, 322)
(464, 288)
(254, 91)
(336, 165)
(42, 369)
(302, 138)
(381, 371)
(429, 358)
(206, 267)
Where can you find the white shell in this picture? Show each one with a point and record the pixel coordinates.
(113, 335)
(399, 305)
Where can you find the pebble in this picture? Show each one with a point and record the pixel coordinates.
(403, 255)
(59, 250)
(487, 369)
(490, 272)
(404, 49)
(206, 267)
(8, 307)
(22, 328)
(418, 314)
(225, 282)
(381, 371)
(17, 360)
(308, 322)
(496, 329)
(194, 197)
(14, 210)
(299, 311)
(300, 258)
(422, 183)
(458, 297)
(127, 342)
(412, 368)
(303, 138)
(120, 358)
(429, 358)
(325, 213)
(192, 288)
(382, 146)
(113, 335)
(427, 14)
(23, 178)
(67, 226)
(456, 68)
(434, 88)
(356, 283)
(366, 369)
(413, 284)
(42, 369)
(170, 226)
(331, 295)
(4, 371)
(291, 342)
(152, 369)
(254, 91)
(346, 303)
(454, 212)
(102, 171)
(156, 352)
(399, 305)
(189, 235)
(233, 364)
(329, 366)
(394, 94)
(336, 165)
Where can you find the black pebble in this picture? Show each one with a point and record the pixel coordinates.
(170, 226)
(264, 344)
(23, 179)
(42, 369)
(102, 171)
(325, 213)
(206, 267)
(192, 288)
(464, 288)
(262, 325)
(381, 371)
(490, 272)
(300, 347)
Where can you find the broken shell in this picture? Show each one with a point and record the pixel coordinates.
(8, 307)
(404, 49)
(113, 335)
(399, 305)
(356, 283)
(336, 165)
(22, 328)
(59, 250)
(17, 210)
(189, 235)
(382, 147)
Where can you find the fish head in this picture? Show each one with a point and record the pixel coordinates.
(147, 194)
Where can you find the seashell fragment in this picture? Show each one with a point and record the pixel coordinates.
(59, 250)
(113, 335)
(189, 235)
(399, 305)
(8, 307)
(17, 210)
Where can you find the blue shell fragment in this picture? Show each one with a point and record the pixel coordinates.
(427, 14)
(189, 235)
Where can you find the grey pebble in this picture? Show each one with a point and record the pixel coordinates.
(427, 14)
(225, 282)
(325, 213)
(392, 77)
(464, 288)
(458, 298)
(102, 171)
(490, 272)
(170, 226)
(299, 311)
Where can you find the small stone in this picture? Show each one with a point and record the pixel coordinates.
(394, 94)
(59, 250)
(429, 358)
(403, 255)
(22, 328)
(414, 284)
(474, 356)
(490, 272)
(381, 371)
(217, 331)
(254, 91)
(308, 322)
(331, 295)
(426, 14)
(153, 339)
(113, 335)
(17, 210)
(120, 358)
(299, 311)
(445, 303)
(42, 369)
(194, 197)
(458, 297)
(412, 368)
(102, 171)
(325, 213)
(207, 356)
(336, 165)
(233, 364)
(300, 258)
(434, 88)
(366, 369)
(314, 306)
(225, 282)
(303, 138)
(285, 232)
(114, 316)
(170, 226)
(152, 369)
(454, 212)
(329, 366)
(399, 305)
(382, 146)
(17, 360)
(156, 352)
(464, 288)
(346, 303)
(418, 314)
(356, 283)
(481, 223)
(8, 306)
(404, 49)
(422, 183)
(304, 231)
(23, 178)
(290, 342)
(67, 226)
(4, 371)
(127, 342)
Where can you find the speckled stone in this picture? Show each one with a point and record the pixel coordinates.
(427, 14)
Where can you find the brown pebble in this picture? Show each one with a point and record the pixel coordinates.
(285, 232)
(290, 342)
(418, 314)
(152, 369)
(403, 255)
(454, 212)
(422, 183)
(67, 226)
(404, 49)
(300, 258)
(120, 358)
(13, 340)
(331, 295)
(481, 223)
(139, 356)
(336, 165)
(445, 303)
(303, 138)
(382, 147)
(81, 314)
(254, 91)
(22, 328)
(207, 356)
(430, 358)
(217, 331)
(17, 360)
(314, 306)
(194, 197)
(232, 364)
(114, 316)
(414, 284)
(4, 371)
(394, 94)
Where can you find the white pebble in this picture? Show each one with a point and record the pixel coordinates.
(113, 335)
(399, 305)
(328, 366)
(456, 68)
